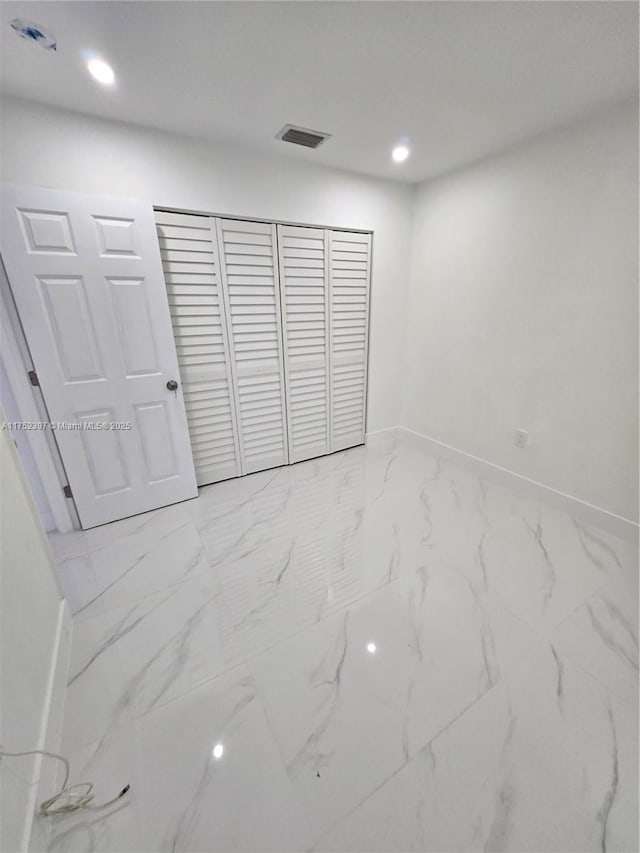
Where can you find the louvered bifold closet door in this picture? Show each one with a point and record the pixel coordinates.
(249, 266)
(192, 275)
(304, 288)
(349, 274)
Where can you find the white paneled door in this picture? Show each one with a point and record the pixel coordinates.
(251, 289)
(87, 278)
(304, 285)
(349, 273)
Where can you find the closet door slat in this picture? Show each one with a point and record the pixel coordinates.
(251, 293)
(192, 276)
(349, 276)
(304, 282)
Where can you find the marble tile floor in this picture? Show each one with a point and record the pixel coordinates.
(390, 652)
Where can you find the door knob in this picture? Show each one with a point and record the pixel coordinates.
(172, 385)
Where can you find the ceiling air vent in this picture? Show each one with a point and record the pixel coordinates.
(302, 136)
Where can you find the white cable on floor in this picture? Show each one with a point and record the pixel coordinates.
(74, 799)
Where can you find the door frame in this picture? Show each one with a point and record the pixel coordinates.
(31, 406)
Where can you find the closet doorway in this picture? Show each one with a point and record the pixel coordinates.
(271, 330)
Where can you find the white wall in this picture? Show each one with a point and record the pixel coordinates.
(34, 642)
(53, 148)
(523, 310)
(12, 413)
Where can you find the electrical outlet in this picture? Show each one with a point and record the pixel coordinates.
(521, 438)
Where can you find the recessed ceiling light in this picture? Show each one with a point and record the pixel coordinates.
(102, 72)
(217, 751)
(371, 648)
(400, 153)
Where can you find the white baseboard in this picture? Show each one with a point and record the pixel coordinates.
(47, 770)
(381, 432)
(625, 528)
(48, 522)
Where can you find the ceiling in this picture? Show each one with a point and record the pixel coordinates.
(459, 80)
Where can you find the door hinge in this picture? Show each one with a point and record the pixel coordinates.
(33, 378)
(67, 491)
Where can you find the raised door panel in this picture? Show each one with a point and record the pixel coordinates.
(248, 261)
(349, 274)
(86, 276)
(135, 332)
(65, 306)
(188, 247)
(305, 327)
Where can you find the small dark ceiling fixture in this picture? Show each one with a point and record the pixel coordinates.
(34, 33)
(302, 136)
